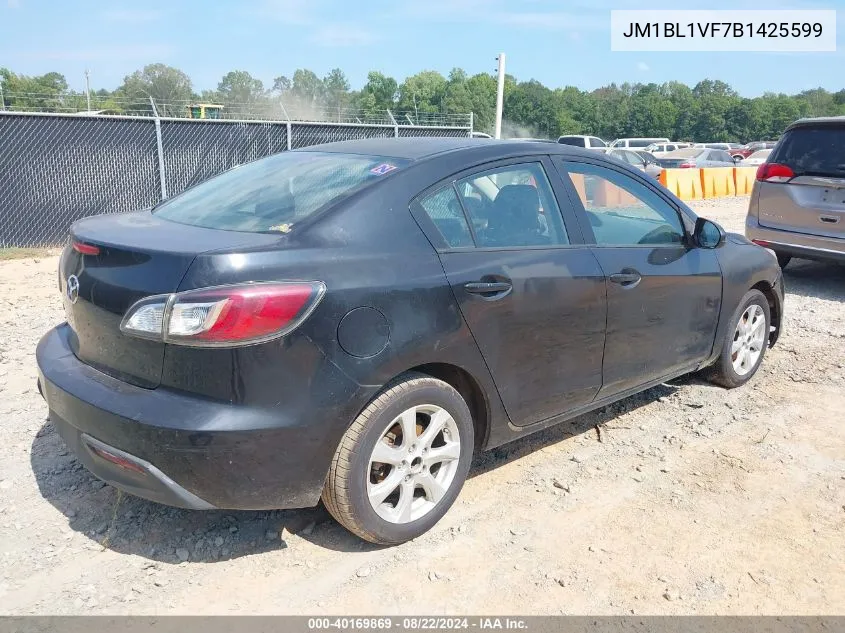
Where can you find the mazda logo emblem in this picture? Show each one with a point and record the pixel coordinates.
(72, 288)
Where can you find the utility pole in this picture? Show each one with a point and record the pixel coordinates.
(500, 95)
(88, 89)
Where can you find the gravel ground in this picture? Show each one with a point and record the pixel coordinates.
(689, 499)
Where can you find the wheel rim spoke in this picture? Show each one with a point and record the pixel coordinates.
(437, 423)
(384, 453)
(382, 490)
(434, 490)
(408, 422)
(406, 502)
(446, 453)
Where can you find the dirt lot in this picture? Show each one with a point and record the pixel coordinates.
(693, 499)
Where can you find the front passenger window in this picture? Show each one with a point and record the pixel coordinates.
(623, 211)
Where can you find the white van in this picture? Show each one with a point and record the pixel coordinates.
(626, 143)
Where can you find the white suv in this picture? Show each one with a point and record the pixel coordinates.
(637, 143)
(590, 142)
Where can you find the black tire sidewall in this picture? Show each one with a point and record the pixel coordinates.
(427, 392)
(751, 297)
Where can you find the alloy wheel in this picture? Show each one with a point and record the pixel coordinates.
(413, 463)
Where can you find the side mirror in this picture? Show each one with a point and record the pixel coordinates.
(737, 159)
(708, 234)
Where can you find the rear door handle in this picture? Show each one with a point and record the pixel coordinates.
(488, 289)
(628, 280)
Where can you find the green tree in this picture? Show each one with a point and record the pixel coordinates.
(336, 91)
(42, 93)
(380, 91)
(169, 87)
(422, 93)
(239, 88)
(306, 87)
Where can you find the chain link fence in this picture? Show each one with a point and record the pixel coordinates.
(56, 169)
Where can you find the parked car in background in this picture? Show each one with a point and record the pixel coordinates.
(590, 142)
(696, 157)
(244, 346)
(797, 206)
(749, 148)
(657, 149)
(623, 143)
(723, 146)
(757, 158)
(638, 159)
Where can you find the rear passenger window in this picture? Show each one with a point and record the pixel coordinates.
(513, 206)
(444, 209)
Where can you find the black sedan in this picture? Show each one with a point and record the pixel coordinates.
(353, 321)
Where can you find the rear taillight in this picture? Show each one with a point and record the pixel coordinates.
(85, 249)
(686, 165)
(226, 315)
(117, 460)
(774, 172)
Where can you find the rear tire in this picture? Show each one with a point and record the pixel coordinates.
(395, 475)
(783, 259)
(745, 342)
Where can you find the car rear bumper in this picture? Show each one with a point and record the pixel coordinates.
(181, 450)
(802, 245)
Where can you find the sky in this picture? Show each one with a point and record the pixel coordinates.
(558, 42)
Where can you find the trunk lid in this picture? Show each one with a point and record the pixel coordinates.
(806, 204)
(139, 255)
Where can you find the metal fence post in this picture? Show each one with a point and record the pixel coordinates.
(289, 126)
(471, 122)
(395, 124)
(160, 152)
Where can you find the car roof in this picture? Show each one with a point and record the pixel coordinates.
(422, 148)
(821, 120)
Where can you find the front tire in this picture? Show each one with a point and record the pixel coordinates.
(745, 343)
(402, 463)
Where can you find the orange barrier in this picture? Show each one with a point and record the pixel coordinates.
(609, 195)
(684, 183)
(580, 186)
(718, 182)
(744, 179)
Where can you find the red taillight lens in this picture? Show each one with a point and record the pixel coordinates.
(240, 314)
(686, 165)
(86, 249)
(117, 460)
(761, 243)
(225, 315)
(774, 172)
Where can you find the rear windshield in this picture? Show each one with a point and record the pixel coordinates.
(814, 151)
(572, 140)
(275, 193)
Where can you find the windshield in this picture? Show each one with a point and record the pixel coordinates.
(275, 193)
(815, 151)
